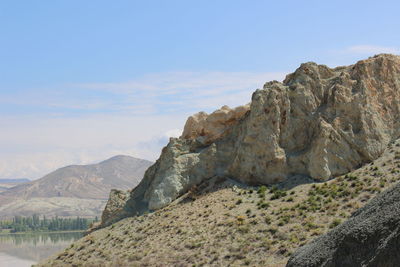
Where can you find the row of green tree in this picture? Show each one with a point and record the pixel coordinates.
(37, 223)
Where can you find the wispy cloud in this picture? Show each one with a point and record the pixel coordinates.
(177, 91)
(372, 49)
(32, 146)
(85, 123)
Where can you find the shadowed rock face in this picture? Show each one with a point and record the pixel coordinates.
(371, 237)
(320, 122)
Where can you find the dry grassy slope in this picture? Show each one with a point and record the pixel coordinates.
(233, 225)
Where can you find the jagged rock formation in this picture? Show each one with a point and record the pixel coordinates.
(114, 207)
(73, 190)
(320, 122)
(208, 128)
(371, 237)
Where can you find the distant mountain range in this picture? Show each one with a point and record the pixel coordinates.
(8, 183)
(73, 190)
(18, 180)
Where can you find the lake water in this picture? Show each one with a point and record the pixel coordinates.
(22, 250)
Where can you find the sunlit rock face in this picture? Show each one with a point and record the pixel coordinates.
(209, 128)
(319, 122)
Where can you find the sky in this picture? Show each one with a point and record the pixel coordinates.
(81, 81)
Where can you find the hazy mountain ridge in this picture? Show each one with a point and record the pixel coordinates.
(8, 183)
(75, 182)
(17, 180)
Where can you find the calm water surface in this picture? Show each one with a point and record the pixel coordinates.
(22, 250)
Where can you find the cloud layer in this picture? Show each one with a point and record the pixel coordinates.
(87, 123)
(184, 91)
(372, 49)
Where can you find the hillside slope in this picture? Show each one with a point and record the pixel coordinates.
(225, 223)
(82, 188)
(371, 234)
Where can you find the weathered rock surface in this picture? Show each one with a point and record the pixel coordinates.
(371, 237)
(114, 209)
(208, 128)
(319, 122)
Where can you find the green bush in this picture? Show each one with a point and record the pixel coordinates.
(278, 194)
(335, 223)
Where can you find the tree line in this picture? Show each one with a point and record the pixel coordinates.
(37, 223)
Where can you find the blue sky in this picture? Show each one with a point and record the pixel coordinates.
(83, 80)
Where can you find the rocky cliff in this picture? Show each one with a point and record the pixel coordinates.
(319, 122)
(371, 237)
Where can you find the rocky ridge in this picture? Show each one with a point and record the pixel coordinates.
(319, 122)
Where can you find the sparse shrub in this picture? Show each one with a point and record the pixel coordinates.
(335, 223)
(253, 222)
(262, 190)
(310, 225)
(278, 194)
(240, 219)
(266, 243)
(244, 229)
(294, 239)
(239, 201)
(273, 230)
(273, 189)
(281, 235)
(263, 205)
(284, 220)
(375, 189)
